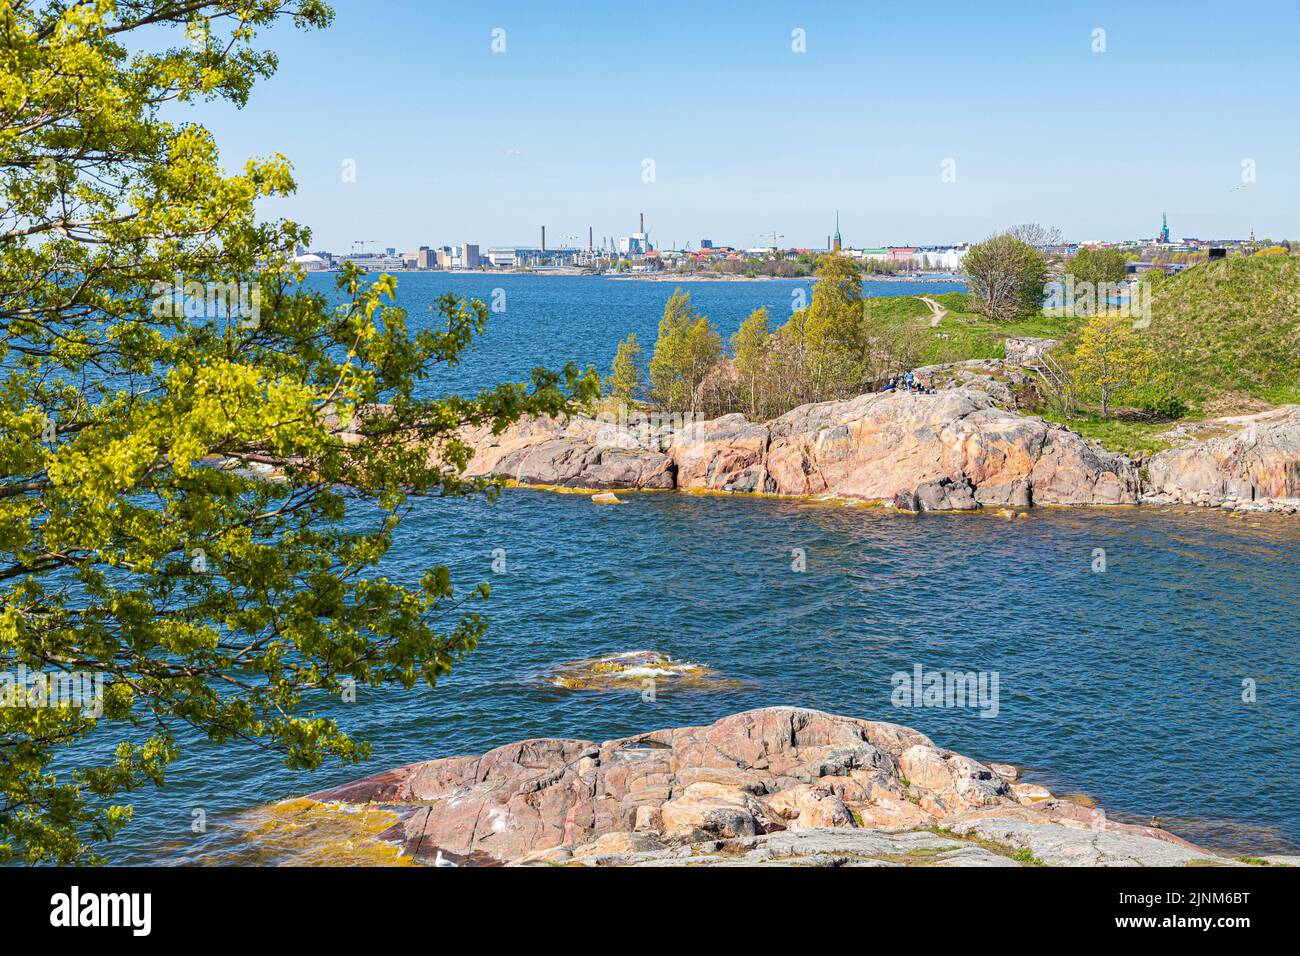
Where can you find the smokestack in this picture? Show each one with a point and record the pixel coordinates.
(589, 247)
(643, 224)
(543, 238)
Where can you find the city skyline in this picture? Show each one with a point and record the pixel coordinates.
(925, 133)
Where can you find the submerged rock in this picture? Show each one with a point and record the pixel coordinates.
(632, 669)
(775, 785)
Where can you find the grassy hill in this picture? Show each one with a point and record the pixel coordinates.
(1230, 329)
(962, 334)
(1226, 335)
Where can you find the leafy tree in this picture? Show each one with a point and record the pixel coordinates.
(196, 485)
(1098, 265)
(688, 346)
(1036, 234)
(1006, 277)
(1110, 357)
(751, 346)
(624, 379)
(833, 333)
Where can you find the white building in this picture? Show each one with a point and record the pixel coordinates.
(947, 259)
(635, 245)
(309, 262)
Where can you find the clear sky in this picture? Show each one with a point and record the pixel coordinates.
(456, 143)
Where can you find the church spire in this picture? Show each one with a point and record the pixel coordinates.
(837, 231)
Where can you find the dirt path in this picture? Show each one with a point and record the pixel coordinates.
(937, 311)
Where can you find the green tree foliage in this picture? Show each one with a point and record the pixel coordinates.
(1110, 358)
(176, 470)
(1100, 268)
(751, 346)
(624, 380)
(686, 350)
(1006, 277)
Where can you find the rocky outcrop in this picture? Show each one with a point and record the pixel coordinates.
(780, 784)
(875, 446)
(724, 454)
(953, 450)
(1006, 382)
(569, 453)
(1027, 350)
(1245, 463)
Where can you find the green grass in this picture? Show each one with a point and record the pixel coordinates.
(1119, 434)
(1256, 861)
(963, 334)
(1025, 857)
(1226, 335)
(1231, 326)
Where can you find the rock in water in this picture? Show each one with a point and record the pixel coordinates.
(606, 498)
(632, 669)
(779, 784)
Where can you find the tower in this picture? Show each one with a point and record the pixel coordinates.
(1164, 228)
(838, 243)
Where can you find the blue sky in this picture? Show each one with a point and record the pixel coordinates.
(455, 143)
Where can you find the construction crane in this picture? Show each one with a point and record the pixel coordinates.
(774, 236)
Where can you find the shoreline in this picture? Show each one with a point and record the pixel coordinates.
(953, 450)
(651, 277)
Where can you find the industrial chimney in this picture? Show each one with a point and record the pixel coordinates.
(543, 238)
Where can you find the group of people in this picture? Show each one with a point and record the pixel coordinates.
(907, 382)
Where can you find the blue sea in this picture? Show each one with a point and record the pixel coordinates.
(1127, 685)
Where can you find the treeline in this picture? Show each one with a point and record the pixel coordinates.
(833, 348)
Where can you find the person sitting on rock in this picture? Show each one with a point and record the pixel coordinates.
(893, 384)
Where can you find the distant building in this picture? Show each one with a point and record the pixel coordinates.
(948, 259)
(635, 246)
(310, 262)
(502, 258)
(1164, 228)
(838, 241)
(375, 263)
(426, 258)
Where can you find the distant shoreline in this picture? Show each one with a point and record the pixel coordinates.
(652, 277)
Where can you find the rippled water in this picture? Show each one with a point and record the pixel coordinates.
(1124, 685)
(550, 320)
